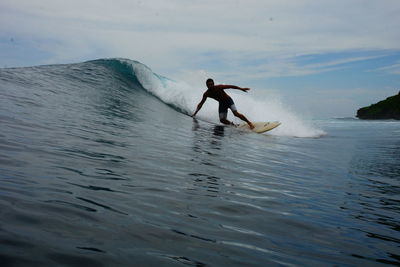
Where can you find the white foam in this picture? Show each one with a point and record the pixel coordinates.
(255, 106)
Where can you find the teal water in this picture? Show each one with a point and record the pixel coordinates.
(101, 166)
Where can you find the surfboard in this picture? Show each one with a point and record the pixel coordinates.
(260, 127)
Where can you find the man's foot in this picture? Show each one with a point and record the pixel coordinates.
(251, 125)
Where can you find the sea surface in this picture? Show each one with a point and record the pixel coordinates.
(100, 165)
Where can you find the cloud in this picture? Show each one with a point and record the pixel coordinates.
(391, 69)
(188, 29)
(292, 67)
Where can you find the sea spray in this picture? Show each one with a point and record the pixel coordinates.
(272, 108)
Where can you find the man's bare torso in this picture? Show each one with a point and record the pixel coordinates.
(217, 94)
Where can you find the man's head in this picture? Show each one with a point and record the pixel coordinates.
(210, 83)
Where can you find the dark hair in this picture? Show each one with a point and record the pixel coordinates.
(209, 80)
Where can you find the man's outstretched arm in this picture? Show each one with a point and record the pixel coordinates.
(200, 105)
(223, 86)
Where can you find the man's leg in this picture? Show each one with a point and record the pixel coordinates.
(225, 121)
(223, 113)
(243, 118)
(222, 118)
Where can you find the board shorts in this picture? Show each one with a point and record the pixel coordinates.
(223, 108)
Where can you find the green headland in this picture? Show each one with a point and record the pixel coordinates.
(383, 110)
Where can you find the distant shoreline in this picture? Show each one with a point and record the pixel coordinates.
(388, 109)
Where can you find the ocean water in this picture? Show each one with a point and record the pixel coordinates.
(101, 166)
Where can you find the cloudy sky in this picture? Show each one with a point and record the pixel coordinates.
(324, 58)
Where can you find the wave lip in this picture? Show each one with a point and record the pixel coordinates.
(168, 91)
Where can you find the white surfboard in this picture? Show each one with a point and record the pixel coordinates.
(260, 127)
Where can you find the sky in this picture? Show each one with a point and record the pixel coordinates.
(323, 58)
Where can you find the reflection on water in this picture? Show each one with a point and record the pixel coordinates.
(206, 182)
(219, 130)
(203, 142)
(208, 144)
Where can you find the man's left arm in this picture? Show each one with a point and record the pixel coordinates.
(223, 86)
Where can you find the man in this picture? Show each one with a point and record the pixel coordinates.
(225, 101)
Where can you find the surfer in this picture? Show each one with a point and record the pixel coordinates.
(225, 101)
